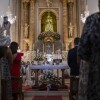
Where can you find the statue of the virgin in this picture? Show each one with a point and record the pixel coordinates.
(49, 24)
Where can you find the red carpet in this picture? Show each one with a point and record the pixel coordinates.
(27, 88)
(47, 98)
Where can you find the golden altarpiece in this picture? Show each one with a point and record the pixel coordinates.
(37, 16)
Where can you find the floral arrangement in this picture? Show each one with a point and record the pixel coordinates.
(49, 78)
(54, 35)
(38, 58)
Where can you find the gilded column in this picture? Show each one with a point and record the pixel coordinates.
(65, 24)
(70, 24)
(25, 25)
(31, 25)
(70, 19)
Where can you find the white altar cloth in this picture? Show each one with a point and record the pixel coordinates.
(49, 67)
(44, 67)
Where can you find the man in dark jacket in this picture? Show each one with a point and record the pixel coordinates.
(74, 70)
(72, 59)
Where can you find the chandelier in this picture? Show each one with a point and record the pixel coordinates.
(86, 13)
(11, 19)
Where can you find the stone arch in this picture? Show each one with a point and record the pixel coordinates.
(48, 24)
(46, 10)
(41, 14)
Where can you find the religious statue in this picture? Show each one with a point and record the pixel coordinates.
(6, 26)
(28, 80)
(26, 31)
(70, 33)
(5, 32)
(45, 61)
(49, 24)
(4, 40)
(49, 3)
(48, 49)
(58, 54)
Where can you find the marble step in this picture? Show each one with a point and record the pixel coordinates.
(45, 93)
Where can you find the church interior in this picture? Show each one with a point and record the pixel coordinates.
(45, 31)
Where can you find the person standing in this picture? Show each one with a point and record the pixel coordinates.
(5, 63)
(74, 70)
(15, 68)
(72, 59)
(89, 53)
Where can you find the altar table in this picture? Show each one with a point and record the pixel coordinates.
(36, 68)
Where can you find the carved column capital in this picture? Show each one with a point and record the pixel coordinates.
(70, 4)
(32, 0)
(25, 6)
(25, 1)
(70, 0)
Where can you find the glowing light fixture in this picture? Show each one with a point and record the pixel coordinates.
(11, 19)
(86, 13)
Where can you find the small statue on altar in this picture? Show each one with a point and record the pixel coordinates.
(59, 54)
(57, 57)
(38, 51)
(45, 61)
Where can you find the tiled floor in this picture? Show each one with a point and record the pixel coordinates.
(28, 98)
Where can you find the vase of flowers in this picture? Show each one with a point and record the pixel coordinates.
(38, 58)
(50, 81)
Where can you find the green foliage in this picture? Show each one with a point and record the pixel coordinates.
(38, 58)
(54, 35)
(49, 78)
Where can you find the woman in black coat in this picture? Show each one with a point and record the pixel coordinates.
(89, 53)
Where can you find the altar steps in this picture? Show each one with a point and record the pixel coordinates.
(45, 93)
